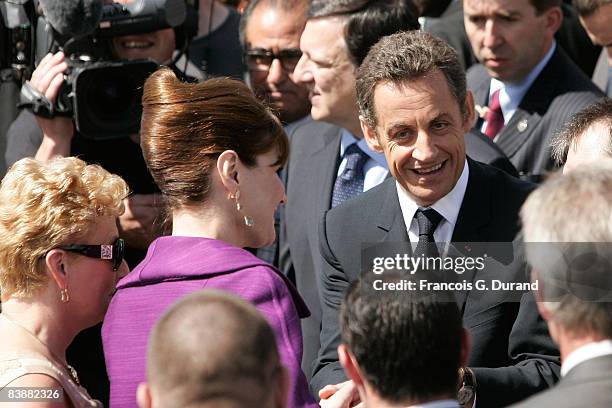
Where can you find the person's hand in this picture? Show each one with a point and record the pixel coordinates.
(139, 224)
(343, 395)
(47, 79)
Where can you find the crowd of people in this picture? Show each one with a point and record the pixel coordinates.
(224, 255)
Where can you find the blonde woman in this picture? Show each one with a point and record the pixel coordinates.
(60, 257)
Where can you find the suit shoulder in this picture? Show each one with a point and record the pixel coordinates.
(354, 218)
(363, 203)
(508, 190)
(311, 128)
(482, 149)
(477, 77)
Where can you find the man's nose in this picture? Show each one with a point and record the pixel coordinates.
(492, 34)
(425, 149)
(276, 72)
(302, 72)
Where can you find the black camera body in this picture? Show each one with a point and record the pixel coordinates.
(104, 97)
(102, 94)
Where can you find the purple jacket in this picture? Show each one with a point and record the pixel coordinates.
(176, 266)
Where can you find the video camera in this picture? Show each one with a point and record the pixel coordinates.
(102, 93)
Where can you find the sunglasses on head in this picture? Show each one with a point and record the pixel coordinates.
(113, 252)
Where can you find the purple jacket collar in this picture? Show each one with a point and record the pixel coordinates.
(172, 253)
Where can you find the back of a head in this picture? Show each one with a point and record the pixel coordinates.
(599, 113)
(367, 21)
(566, 222)
(212, 349)
(408, 346)
(185, 127)
(404, 57)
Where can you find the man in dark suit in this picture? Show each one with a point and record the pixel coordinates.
(526, 86)
(330, 57)
(571, 36)
(579, 319)
(334, 42)
(416, 110)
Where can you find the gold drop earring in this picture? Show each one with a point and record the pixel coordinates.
(248, 221)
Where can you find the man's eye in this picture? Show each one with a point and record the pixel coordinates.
(402, 134)
(476, 20)
(440, 125)
(321, 64)
(507, 19)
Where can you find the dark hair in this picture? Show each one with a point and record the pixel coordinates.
(367, 21)
(408, 346)
(297, 8)
(407, 56)
(588, 7)
(543, 5)
(431, 8)
(580, 122)
(185, 127)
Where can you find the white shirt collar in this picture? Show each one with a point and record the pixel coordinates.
(512, 93)
(348, 139)
(448, 206)
(584, 353)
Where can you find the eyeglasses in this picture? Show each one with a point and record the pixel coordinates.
(113, 252)
(259, 59)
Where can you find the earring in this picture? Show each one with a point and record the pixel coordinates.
(64, 296)
(248, 221)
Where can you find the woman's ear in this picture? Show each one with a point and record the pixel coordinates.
(54, 262)
(227, 167)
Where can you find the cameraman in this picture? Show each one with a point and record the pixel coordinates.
(43, 138)
(31, 135)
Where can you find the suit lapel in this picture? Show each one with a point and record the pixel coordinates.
(472, 221)
(326, 158)
(389, 220)
(532, 108)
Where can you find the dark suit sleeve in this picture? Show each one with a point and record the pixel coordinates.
(333, 286)
(24, 137)
(535, 358)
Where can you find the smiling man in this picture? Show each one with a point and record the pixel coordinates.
(330, 161)
(526, 85)
(416, 110)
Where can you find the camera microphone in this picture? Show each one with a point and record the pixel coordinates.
(72, 18)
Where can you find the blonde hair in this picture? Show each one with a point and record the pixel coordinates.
(45, 205)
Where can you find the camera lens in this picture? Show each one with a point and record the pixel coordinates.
(109, 98)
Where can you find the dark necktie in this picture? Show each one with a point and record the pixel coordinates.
(428, 220)
(350, 182)
(494, 117)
